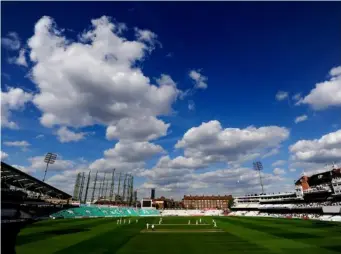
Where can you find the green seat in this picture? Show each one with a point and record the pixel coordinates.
(96, 211)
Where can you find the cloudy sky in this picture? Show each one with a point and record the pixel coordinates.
(184, 96)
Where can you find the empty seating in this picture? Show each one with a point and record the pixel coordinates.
(98, 211)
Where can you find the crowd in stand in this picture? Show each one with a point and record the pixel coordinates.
(308, 205)
(313, 216)
(291, 215)
(318, 188)
(317, 204)
(336, 179)
(291, 206)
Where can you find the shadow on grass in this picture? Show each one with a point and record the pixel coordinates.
(25, 239)
(278, 232)
(336, 248)
(108, 242)
(49, 223)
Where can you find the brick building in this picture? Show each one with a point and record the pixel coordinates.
(206, 202)
(164, 203)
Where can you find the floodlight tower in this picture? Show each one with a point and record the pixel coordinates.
(258, 166)
(135, 197)
(50, 158)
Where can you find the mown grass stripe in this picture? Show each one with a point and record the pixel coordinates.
(242, 235)
(114, 239)
(311, 240)
(309, 235)
(53, 244)
(190, 243)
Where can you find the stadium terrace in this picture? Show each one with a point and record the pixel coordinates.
(316, 197)
(31, 209)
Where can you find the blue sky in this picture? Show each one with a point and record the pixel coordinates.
(190, 93)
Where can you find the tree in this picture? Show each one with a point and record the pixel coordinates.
(231, 203)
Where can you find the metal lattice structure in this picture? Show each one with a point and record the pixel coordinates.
(11, 176)
(104, 186)
(258, 166)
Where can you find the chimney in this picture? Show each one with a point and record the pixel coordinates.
(152, 194)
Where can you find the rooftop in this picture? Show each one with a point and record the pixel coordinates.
(17, 178)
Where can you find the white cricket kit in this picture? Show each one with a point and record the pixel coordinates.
(147, 226)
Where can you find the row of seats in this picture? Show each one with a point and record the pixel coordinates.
(194, 212)
(336, 218)
(99, 211)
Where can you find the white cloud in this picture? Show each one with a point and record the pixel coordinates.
(211, 143)
(22, 144)
(65, 180)
(3, 155)
(61, 174)
(301, 118)
(204, 146)
(325, 94)
(108, 164)
(13, 99)
(40, 136)
(297, 96)
(178, 181)
(37, 164)
(279, 171)
(165, 80)
(133, 151)
(97, 77)
(127, 156)
(281, 95)
(199, 79)
(21, 59)
(272, 152)
(191, 105)
(309, 167)
(139, 129)
(145, 35)
(327, 149)
(22, 168)
(278, 163)
(336, 71)
(180, 162)
(11, 41)
(292, 169)
(65, 135)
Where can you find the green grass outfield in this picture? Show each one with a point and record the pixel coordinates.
(240, 235)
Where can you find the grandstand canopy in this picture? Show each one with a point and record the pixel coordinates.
(19, 179)
(318, 178)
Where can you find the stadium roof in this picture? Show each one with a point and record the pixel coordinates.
(321, 177)
(17, 178)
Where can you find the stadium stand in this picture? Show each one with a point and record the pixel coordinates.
(315, 197)
(194, 212)
(25, 199)
(100, 211)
